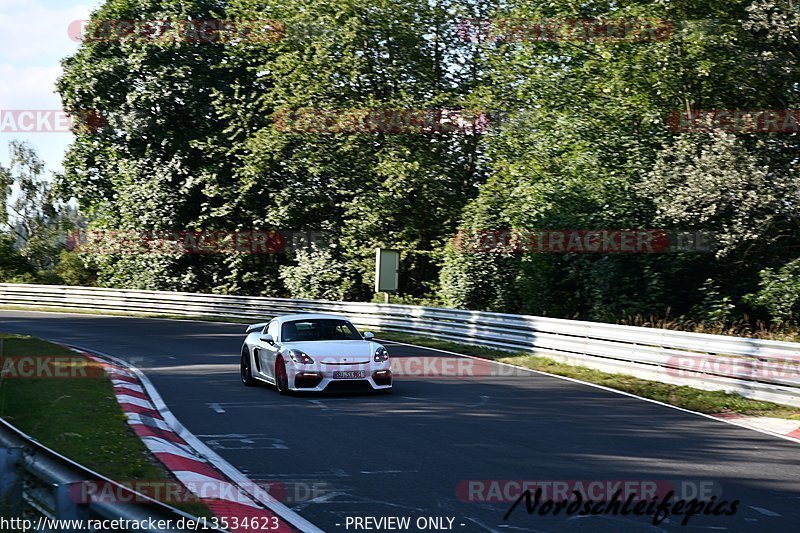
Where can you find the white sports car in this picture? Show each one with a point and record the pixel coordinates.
(313, 352)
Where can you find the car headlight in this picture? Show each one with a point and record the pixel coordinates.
(299, 357)
(381, 355)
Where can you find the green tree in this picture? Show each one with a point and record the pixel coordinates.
(32, 215)
(13, 266)
(371, 189)
(779, 292)
(315, 276)
(158, 161)
(190, 140)
(586, 144)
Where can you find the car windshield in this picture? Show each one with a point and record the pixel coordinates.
(319, 329)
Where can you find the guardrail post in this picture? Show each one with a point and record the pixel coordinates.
(10, 481)
(67, 505)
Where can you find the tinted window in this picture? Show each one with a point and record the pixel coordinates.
(320, 329)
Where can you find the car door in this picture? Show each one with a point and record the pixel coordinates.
(266, 352)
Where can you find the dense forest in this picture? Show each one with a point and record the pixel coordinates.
(566, 117)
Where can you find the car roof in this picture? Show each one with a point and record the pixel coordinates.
(308, 316)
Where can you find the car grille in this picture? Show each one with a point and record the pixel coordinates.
(307, 381)
(349, 385)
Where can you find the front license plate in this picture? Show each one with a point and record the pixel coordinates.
(350, 374)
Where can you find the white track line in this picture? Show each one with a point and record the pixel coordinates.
(601, 387)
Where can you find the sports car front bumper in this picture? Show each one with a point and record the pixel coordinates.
(314, 378)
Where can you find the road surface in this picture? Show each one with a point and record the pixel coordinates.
(441, 448)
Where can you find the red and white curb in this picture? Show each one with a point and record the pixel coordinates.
(776, 426)
(227, 492)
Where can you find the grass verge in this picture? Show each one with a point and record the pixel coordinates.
(702, 401)
(78, 417)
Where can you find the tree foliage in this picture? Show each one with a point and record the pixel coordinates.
(34, 223)
(586, 145)
(192, 140)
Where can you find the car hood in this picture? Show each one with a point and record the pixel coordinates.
(339, 351)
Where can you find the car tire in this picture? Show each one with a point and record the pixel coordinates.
(281, 377)
(245, 371)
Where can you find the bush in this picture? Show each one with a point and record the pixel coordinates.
(779, 292)
(72, 270)
(316, 276)
(480, 281)
(14, 268)
(716, 308)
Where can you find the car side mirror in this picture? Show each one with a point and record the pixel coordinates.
(368, 335)
(268, 339)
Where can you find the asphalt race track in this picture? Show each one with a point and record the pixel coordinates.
(412, 453)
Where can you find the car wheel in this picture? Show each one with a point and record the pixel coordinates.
(281, 377)
(245, 371)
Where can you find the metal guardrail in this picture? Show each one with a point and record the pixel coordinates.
(44, 487)
(759, 369)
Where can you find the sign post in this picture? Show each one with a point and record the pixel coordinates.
(387, 268)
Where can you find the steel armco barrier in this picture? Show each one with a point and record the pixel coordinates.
(758, 369)
(39, 485)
